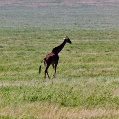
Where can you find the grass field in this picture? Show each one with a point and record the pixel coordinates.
(87, 80)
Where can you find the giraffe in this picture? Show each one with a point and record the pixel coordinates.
(53, 58)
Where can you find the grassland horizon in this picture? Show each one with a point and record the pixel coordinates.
(73, 14)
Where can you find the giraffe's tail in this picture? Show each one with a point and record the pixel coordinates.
(40, 67)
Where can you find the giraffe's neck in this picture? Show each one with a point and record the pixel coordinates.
(57, 49)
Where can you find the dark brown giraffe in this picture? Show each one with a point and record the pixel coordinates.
(52, 58)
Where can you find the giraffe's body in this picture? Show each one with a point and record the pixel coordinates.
(52, 58)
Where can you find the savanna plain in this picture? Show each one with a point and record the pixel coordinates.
(87, 80)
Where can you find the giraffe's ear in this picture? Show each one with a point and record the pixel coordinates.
(66, 37)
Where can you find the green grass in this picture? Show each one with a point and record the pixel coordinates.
(92, 54)
(87, 80)
(67, 93)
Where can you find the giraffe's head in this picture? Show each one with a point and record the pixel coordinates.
(67, 40)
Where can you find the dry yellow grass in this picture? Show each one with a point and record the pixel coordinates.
(54, 111)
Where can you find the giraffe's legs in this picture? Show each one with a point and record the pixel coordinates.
(46, 71)
(55, 67)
